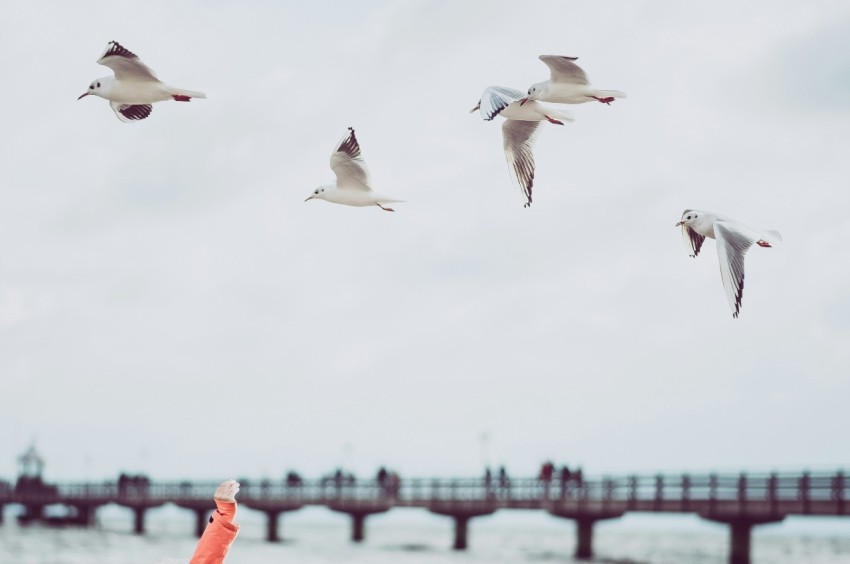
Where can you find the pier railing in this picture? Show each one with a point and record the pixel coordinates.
(803, 493)
(740, 501)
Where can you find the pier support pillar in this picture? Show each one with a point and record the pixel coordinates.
(201, 521)
(273, 510)
(358, 526)
(359, 510)
(272, 518)
(584, 539)
(461, 527)
(139, 520)
(32, 514)
(461, 511)
(584, 525)
(740, 532)
(739, 543)
(84, 515)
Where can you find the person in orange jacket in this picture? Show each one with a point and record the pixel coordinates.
(222, 529)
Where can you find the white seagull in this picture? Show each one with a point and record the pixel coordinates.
(519, 132)
(352, 178)
(134, 88)
(568, 84)
(733, 241)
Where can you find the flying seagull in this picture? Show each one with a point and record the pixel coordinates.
(135, 87)
(519, 132)
(733, 241)
(352, 178)
(568, 84)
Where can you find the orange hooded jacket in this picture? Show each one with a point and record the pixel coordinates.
(217, 537)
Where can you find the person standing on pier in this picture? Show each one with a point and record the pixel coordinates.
(565, 476)
(504, 482)
(547, 471)
(488, 483)
(222, 529)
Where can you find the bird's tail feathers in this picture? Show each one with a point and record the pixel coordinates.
(610, 94)
(188, 93)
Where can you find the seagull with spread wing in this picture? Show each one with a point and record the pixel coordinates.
(733, 239)
(568, 84)
(352, 186)
(519, 132)
(135, 87)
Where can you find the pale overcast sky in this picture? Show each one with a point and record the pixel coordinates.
(166, 295)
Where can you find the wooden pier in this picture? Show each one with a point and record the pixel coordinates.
(741, 501)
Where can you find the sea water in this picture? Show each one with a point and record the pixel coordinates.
(315, 535)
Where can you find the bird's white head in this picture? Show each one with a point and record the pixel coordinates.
(318, 194)
(97, 87)
(690, 217)
(534, 93)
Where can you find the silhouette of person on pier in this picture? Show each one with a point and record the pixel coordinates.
(222, 529)
(293, 480)
(388, 482)
(504, 482)
(564, 477)
(547, 471)
(488, 483)
(134, 486)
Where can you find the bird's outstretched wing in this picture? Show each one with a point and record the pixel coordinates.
(563, 69)
(124, 63)
(495, 99)
(732, 245)
(348, 164)
(693, 240)
(131, 112)
(519, 137)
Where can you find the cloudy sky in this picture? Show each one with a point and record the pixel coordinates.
(166, 296)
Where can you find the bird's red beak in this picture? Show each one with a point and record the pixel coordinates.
(83, 95)
(680, 223)
(523, 101)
